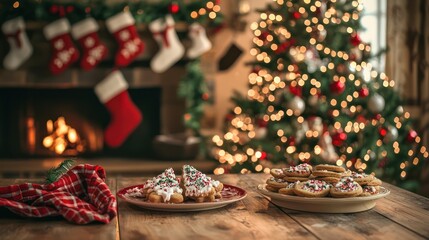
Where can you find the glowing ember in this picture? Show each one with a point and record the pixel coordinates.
(62, 138)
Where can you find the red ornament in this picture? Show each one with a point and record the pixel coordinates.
(263, 156)
(377, 116)
(361, 119)
(173, 8)
(296, 15)
(338, 139)
(292, 141)
(363, 92)
(87, 9)
(53, 9)
(264, 35)
(69, 9)
(205, 96)
(229, 117)
(337, 87)
(411, 136)
(383, 132)
(261, 123)
(62, 11)
(285, 45)
(355, 40)
(296, 90)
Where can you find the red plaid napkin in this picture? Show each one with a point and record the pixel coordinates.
(80, 196)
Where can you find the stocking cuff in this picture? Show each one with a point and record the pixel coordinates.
(161, 23)
(56, 28)
(83, 28)
(119, 21)
(13, 25)
(111, 86)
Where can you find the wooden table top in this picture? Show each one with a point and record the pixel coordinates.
(400, 215)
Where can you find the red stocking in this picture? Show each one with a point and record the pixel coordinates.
(125, 116)
(130, 45)
(94, 51)
(64, 52)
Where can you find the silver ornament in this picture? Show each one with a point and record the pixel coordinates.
(400, 110)
(297, 105)
(376, 103)
(392, 134)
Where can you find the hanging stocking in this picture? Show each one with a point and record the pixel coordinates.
(200, 42)
(171, 50)
(94, 51)
(20, 46)
(64, 52)
(125, 116)
(130, 45)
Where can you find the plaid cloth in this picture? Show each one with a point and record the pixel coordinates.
(80, 196)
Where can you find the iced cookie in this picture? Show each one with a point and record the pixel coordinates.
(362, 178)
(370, 190)
(276, 182)
(164, 188)
(198, 186)
(332, 168)
(288, 190)
(326, 173)
(346, 187)
(301, 170)
(277, 173)
(312, 188)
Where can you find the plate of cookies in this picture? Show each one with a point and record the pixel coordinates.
(192, 191)
(323, 188)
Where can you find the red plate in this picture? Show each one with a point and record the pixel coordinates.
(230, 194)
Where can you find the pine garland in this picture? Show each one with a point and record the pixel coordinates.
(143, 11)
(54, 174)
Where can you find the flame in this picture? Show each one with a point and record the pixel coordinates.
(62, 137)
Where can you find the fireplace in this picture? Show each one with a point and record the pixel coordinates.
(28, 113)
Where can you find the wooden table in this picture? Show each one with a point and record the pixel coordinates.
(401, 215)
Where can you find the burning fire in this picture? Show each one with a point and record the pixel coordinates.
(62, 137)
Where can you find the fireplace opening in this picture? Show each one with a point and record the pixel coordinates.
(71, 122)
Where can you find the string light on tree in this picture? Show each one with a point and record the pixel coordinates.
(310, 63)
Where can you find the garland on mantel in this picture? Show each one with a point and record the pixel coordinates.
(203, 11)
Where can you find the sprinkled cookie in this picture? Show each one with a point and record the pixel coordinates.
(328, 167)
(198, 186)
(277, 173)
(370, 190)
(164, 188)
(346, 187)
(288, 190)
(312, 188)
(301, 170)
(277, 182)
(326, 173)
(362, 178)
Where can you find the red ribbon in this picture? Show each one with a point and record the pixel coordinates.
(163, 33)
(15, 36)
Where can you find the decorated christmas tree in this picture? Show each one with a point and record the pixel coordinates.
(314, 97)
